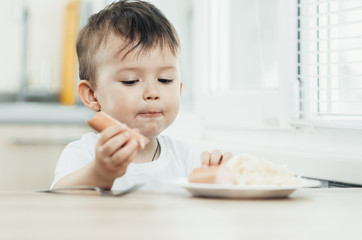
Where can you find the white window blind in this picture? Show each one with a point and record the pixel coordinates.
(330, 62)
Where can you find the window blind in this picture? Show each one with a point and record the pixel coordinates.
(329, 61)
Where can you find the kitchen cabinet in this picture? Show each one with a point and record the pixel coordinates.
(29, 153)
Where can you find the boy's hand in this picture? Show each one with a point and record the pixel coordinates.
(114, 151)
(214, 158)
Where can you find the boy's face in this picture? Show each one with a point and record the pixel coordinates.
(141, 90)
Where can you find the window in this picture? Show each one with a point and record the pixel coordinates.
(243, 45)
(245, 62)
(285, 93)
(330, 62)
(248, 59)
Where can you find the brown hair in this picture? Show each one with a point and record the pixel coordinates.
(140, 23)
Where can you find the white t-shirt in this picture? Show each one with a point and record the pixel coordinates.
(176, 160)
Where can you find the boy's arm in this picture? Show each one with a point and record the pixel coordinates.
(114, 151)
(86, 176)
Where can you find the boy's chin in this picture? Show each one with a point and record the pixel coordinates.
(152, 133)
(153, 129)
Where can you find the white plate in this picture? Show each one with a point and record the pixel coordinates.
(234, 191)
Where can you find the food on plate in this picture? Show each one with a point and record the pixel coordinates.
(219, 175)
(101, 121)
(246, 170)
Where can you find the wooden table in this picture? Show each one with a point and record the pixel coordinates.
(307, 214)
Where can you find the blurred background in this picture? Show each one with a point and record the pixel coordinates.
(39, 108)
(280, 79)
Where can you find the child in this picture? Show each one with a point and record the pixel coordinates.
(130, 69)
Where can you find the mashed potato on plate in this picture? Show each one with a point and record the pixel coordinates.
(250, 171)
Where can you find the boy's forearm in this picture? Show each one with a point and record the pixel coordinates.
(85, 176)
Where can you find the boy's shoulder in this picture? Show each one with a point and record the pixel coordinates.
(81, 149)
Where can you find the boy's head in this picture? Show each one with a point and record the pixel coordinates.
(139, 24)
(129, 66)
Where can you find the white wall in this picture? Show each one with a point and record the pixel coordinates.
(46, 30)
(10, 47)
(45, 19)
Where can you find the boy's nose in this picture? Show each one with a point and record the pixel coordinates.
(151, 92)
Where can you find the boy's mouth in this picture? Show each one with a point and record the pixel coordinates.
(150, 114)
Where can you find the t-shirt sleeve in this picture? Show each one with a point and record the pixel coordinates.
(75, 155)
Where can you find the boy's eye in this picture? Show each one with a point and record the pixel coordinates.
(130, 82)
(162, 80)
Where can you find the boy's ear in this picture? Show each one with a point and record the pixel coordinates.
(180, 88)
(86, 95)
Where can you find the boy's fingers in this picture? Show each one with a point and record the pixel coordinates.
(205, 158)
(216, 157)
(116, 142)
(130, 158)
(141, 143)
(111, 131)
(227, 156)
(121, 157)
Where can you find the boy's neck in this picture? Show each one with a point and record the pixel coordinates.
(151, 152)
